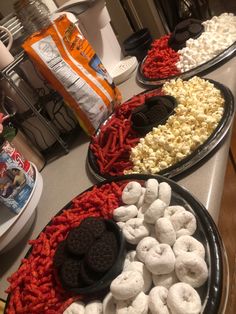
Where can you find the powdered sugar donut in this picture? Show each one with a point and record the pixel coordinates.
(144, 246)
(157, 300)
(151, 192)
(165, 231)
(127, 285)
(188, 243)
(184, 223)
(109, 304)
(160, 259)
(171, 210)
(192, 269)
(139, 305)
(183, 299)
(93, 307)
(131, 193)
(75, 308)
(154, 211)
(165, 280)
(141, 198)
(135, 230)
(147, 277)
(165, 192)
(124, 213)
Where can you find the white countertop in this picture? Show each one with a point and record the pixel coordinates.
(67, 176)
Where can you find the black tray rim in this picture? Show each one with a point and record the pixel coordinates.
(216, 246)
(201, 69)
(186, 165)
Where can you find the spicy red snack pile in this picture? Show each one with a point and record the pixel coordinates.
(112, 146)
(34, 287)
(161, 60)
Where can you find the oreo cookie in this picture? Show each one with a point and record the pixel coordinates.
(183, 26)
(195, 29)
(88, 276)
(101, 256)
(79, 241)
(157, 113)
(70, 273)
(95, 225)
(110, 238)
(182, 37)
(60, 255)
(139, 119)
(190, 28)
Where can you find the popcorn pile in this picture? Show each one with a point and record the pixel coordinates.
(219, 33)
(199, 110)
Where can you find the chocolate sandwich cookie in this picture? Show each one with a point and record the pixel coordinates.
(60, 255)
(79, 240)
(101, 256)
(95, 225)
(181, 38)
(139, 119)
(142, 108)
(190, 28)
(157, 113)
(169, 102)
(87, 275)
(70, 273)
(195, 29)
(110, 238)
(183, 26)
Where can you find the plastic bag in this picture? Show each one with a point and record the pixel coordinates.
(69, 63)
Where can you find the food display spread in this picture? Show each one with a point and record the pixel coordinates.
(168, 264)
(119, 148)
(164, 59)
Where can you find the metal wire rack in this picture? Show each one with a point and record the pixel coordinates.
(51, 116)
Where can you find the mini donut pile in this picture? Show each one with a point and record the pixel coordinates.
(162, 274)
(86, 254)
(162, 61)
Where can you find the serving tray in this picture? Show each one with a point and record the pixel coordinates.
(190, 162)
(203, 68)
(214, 292)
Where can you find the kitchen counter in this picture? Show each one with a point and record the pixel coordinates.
(67, 176)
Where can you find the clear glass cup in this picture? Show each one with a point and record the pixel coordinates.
(33, 14)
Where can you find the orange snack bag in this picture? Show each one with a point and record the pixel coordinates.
(69, 63)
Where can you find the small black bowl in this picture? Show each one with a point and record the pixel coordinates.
(138, 43)
(137, 38)
(169, 103)
(103, 284)
(140, 51)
